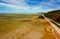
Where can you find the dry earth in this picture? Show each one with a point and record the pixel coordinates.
(31, 30)
(34, 29)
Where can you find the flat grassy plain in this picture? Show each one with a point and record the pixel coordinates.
(9, 22)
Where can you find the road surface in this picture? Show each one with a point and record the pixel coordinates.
(34, 29)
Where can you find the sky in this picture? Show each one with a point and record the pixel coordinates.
(28, 6)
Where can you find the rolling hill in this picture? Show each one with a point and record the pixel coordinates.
(54, 15)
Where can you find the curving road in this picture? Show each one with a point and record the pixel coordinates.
(53, 28)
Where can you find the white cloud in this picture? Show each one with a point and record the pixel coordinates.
(20, 4)
(12, 6)
(9, 6)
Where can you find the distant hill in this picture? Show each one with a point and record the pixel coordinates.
(54, 15)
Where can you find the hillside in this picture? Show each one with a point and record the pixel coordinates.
(54, 15)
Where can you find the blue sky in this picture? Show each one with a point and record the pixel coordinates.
(28, 6)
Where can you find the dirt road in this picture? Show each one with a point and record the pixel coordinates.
(35, 29)
(50, 32)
